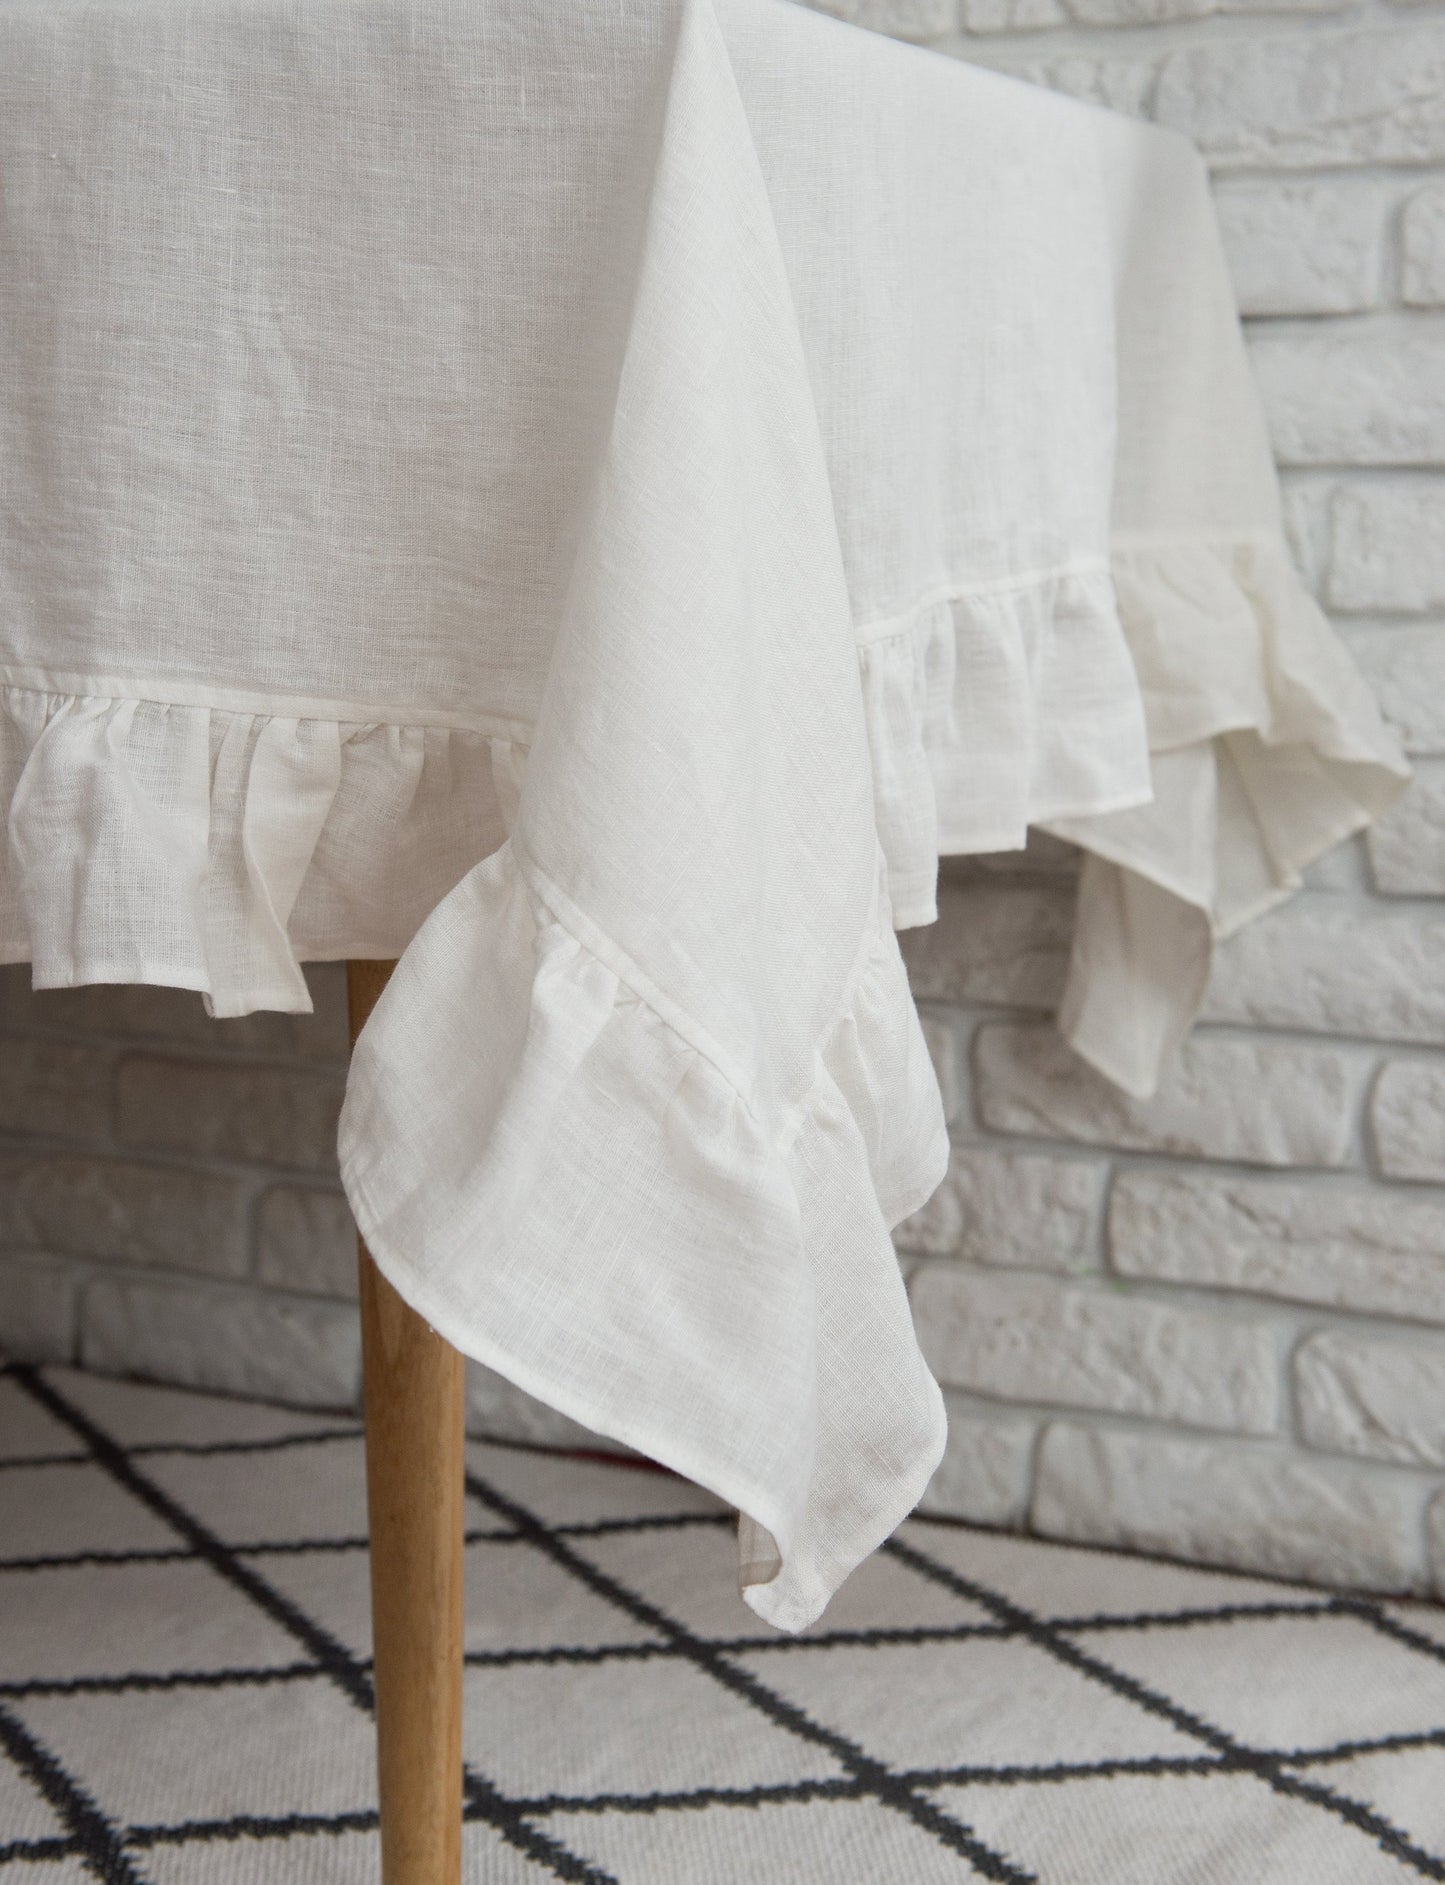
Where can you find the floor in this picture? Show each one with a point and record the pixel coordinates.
(185, 1691)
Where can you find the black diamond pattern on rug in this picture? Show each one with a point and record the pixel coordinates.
(185, 1684)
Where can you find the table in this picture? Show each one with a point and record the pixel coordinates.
(592, 504)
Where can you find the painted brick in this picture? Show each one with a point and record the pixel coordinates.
(54, 1087)
(1407, 1117)
(1407, 845)
(1382, 1400)
(1387, 546)
(1406, 669)
(129, 1213)
(220, 1336)
(905, 19)
(1357, 406)
(264, 1115)
(1020, 1208)
(1342, 868)
(1259, 1102)
(1304, 498)
(1001, 16)
(1249, 1505)
(1116, 84)
(984, 1472)
(1023, 1338)
(39, 1306)
(946, 1049)
(306, 1240)
(1362, 393)
(1333, 968)
(1304, 246)
(1010, 16)
(1351, 1246)
(1307, 101)
(993, 943)
(1044, 856)
(134, 1012)
(1422, 248)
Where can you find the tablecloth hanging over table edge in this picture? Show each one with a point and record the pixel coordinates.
(158, 839)
(207, 838)
(794, 1169)
(611, 1286)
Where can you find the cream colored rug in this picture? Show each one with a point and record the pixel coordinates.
(185, 1688)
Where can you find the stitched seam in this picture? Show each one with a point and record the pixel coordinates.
(201, 699)
(586, 934)
(887, 627)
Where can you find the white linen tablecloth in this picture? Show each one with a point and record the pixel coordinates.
(597, 500)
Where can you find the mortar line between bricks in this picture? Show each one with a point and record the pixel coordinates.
(118, 1270)
(129, 1047)
(163, 1047)
(1203, 1164)
(973, 1403)
(1386, 170)
(1316, 1589)
(160, 1158)
(1354, 1044)
(1115, 1420)
(1129, 1159)
(1230, 1302)
(1112, 38)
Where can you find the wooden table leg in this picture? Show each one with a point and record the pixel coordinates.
(414, 1484)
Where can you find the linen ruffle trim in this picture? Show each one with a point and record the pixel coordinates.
(215, 849)
(212, 849)
(574, 1191)
(995, 708)
(1267, 750)
(1225, 638)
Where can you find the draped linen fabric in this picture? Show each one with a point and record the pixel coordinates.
(597, 501)
(1266, 746)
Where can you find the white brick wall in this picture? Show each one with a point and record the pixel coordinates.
(1215, 1324)
(1212, 1325)
(169, 1204)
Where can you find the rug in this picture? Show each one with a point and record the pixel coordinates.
(185, 1687)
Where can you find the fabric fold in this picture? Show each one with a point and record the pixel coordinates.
(195, 847)
(274, 783)
(642, 1100)
(701, 455)
(1266, 746)
(994, 708)
(103, 876)
(1268, 750)
(963, 353)
(579, 1195)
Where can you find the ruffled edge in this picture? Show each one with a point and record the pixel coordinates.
(1225, 638)
(227, 842)
(222, 847)
(546, 1044)
(1268, 749)
(215, 849)
(992, 707)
